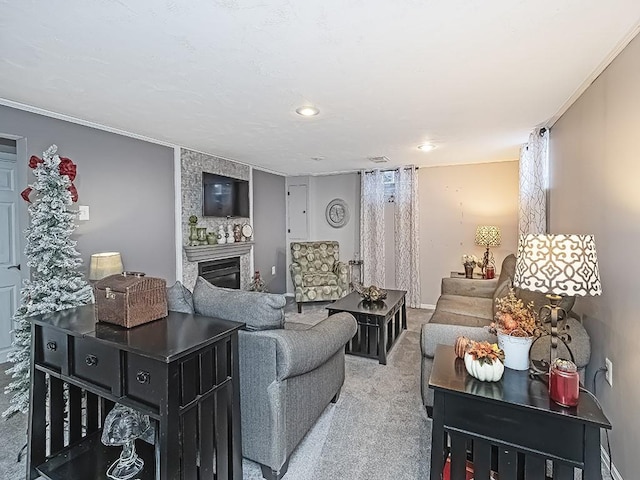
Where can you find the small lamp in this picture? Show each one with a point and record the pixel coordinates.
(121, 428)
(488, 236)
(105, 264)
(559, 266)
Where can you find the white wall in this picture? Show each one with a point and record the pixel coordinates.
(454, 200)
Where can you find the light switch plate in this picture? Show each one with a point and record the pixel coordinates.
(273, 270)
(83, 211)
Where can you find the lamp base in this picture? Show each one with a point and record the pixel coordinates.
(128, 465)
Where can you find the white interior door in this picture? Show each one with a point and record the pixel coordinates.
(10, 275)
(298, 225)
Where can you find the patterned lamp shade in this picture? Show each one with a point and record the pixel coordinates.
(565, 265)
(488, 236)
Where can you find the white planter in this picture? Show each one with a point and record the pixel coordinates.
(516, 351)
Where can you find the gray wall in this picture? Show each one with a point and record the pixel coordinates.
(128, 185)
(321, 190)
(269, 227)
(594, 189)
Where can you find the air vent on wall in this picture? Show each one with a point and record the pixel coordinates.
(382, 159)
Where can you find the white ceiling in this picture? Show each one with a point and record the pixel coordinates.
(225, 76)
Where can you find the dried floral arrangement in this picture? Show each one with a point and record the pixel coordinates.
(485, 352)
(515, 318)
(469, 260)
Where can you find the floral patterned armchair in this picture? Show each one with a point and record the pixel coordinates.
(317, 273)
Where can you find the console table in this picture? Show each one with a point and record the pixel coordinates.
(512, 425)
(181, 370)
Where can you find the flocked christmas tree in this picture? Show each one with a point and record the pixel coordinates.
(55, 282)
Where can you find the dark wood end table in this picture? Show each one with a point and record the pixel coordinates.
(512, 425)
(181, 371)
(379, 323)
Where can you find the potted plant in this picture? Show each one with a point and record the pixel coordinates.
(484, 361)
(469, 262)
(516, 326)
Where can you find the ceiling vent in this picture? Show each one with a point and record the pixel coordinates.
(382, 159)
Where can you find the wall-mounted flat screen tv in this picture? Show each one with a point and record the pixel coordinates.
(224, 196)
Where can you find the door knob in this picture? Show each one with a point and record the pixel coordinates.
(17, 267)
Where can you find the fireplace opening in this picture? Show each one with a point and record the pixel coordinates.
(221, 273)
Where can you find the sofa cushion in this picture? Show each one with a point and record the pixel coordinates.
(260, 311)
(508, 269)
(457, 319)
(433, 334)
(471, 306)
(318, 279)
(179, 298)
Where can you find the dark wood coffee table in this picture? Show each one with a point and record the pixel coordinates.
(379, 323)
(512, 425)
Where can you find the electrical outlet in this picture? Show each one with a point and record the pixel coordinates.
(273, 270)
(609, 373)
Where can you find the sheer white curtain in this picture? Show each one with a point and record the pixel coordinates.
(534, 172)
(407, 240)
(372, 227)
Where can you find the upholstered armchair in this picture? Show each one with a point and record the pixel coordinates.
(317, 273)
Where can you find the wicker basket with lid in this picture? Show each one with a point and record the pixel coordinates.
(130, 299)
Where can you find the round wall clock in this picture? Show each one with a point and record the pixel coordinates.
(247, 231)
(337, 213)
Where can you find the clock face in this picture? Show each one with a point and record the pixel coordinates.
(337, 213)
(247, 231)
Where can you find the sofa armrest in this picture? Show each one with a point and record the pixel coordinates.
(468, 287)
(300, 351)
(296, 274)
(434, 333)
(342, 271)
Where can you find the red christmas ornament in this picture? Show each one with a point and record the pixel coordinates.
(34, 161)
(68, 168)
(74, 192)
(25, 193)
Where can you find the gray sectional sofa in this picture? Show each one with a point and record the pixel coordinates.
(467, 307)
(289, 373)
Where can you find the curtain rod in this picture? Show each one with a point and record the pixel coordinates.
(388, 170)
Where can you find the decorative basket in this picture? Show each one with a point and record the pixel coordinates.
(130, 299)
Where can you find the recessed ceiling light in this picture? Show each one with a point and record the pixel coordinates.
(426, 147)
(307, 111)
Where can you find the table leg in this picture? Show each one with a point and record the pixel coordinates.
(404, 314)
(382, 339)
(437, 437)
(592, 464)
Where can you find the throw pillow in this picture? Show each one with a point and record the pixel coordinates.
(179, 298)
(260, 311)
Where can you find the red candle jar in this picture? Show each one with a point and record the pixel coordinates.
(489, 273)
(564, 383)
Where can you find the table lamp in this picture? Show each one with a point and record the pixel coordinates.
(559, 266)
(105, 264)
(488, 236)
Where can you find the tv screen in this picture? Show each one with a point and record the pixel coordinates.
(224, 196)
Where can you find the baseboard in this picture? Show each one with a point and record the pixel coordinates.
(427, 306)
(615, 474)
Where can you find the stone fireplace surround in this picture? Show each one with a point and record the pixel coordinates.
(192, 164)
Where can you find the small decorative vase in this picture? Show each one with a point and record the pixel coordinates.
(516, 351)
(212, 238)
(468, 271)
(237, 233)
(193, 235)
(483, 371)
(230, 238)
(222, 238)
(202, 236)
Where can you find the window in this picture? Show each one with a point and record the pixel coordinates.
(389, 185)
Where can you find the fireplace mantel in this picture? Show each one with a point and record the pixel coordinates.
(202, 253)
